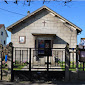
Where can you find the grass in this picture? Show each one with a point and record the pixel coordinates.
(72, 66)
(19, 66)
(5, 69)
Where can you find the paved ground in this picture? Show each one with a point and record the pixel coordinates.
(57, 68)
(42, 83)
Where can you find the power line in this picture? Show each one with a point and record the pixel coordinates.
(12, 12)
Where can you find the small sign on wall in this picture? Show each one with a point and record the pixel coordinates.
(82, 55)
(82, 50)
(83, 41)
(22, 39)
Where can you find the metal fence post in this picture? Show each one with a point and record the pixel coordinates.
(47, 63)
(77, 60)
(30, 63)
(20, 56)
(83, 62)
(11, 51)
(27, 55)
(15, 56)
(67, 62)
(1, 46)
(48, 67)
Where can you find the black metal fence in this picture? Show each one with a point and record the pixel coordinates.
(22, 57)
(74, 60)
(46, 60)
(5, 61)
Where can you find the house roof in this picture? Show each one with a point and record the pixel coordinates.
(44, 7)
(1, 25)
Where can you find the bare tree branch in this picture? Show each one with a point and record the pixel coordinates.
(16, 2)
(5, 1)
(29, 1)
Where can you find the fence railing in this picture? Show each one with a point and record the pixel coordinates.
(74, 60)
(56, 59)
(35, 59)
(21, 56)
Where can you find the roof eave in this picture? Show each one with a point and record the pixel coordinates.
(56, 14)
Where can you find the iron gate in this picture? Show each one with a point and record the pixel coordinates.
(27, 60)
(26, 64)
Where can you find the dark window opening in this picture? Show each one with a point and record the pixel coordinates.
(4, 42)
(1, 33)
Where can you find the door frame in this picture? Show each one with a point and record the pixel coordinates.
(37, 42)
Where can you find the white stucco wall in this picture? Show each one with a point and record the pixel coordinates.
(3, 37)
(53, 25)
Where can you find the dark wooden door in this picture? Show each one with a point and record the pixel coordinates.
(48, 48)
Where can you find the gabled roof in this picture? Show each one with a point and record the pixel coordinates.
(44, 7)
(1, 25)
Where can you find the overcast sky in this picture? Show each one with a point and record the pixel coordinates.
(73, 11)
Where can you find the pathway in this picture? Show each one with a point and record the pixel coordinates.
(57, 68)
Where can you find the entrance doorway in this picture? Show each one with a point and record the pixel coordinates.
(44, 47)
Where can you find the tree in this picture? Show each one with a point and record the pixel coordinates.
(43, 1)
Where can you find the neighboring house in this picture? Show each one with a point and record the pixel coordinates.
(46, 27)
(3, 35)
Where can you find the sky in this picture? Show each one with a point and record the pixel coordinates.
(73, 11)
